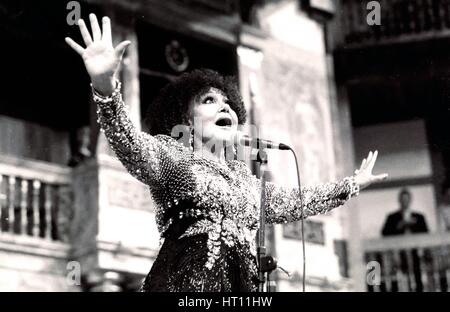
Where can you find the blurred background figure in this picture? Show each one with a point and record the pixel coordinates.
(404, 220)
(80, 146)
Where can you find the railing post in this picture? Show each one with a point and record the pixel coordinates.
(11, 216)
(387, 270)
(410, 265)
(48, 212)
(41, 198)
(423, 268)
(29, 206)
(23, 207)
(401, 276)
(435, 263)
(36, 191)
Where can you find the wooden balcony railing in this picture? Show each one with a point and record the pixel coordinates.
(419, 262)
(35, 199)
(401, 20)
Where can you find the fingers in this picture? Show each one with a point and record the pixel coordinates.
(369, 159)
(363, 164)
(84, 33)
(121, 47)
(79, 49)
(380, 177)
(106, 30)
(369, 162)
(96, 33)
(372, 161)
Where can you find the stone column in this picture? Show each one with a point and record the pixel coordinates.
(345, 159)
(103, 190)
(84, 225)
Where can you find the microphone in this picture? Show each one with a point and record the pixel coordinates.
(259, 143)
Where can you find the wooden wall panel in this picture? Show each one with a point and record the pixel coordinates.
(24, 139)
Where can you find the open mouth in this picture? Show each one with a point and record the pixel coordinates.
(224, 122)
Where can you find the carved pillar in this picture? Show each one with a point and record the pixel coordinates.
(84, 225)
(250, 75)
(95, 179)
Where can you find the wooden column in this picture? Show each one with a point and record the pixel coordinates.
(129, 77)
(84, 226)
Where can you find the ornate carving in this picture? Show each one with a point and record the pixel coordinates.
(177, 56)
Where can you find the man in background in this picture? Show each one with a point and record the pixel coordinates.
(404, 220)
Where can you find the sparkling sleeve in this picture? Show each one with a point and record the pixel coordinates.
(135, 149)
(283, 203)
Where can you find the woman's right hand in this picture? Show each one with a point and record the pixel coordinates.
(101, 59)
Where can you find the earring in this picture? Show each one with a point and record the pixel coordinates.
(191, 139)
(231, 153)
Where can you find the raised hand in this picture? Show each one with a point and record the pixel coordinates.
(101, 59)
(364, 176)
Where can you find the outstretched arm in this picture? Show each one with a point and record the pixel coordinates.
(136, 150)
(285, 204)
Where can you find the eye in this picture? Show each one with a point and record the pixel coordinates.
(208, 100)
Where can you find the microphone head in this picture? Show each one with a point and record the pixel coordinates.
(241, 138)
(257, 143)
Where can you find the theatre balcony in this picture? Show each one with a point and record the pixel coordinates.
(400, 21)
(35, 199)
(49, 229)
(35, 212)
(392, 82)
(418, 262)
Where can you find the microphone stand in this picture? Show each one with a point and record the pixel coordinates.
(266, 264)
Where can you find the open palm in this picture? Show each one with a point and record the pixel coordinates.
(101, 59)
(364, 176)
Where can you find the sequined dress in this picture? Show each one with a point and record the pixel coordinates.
(207, 211)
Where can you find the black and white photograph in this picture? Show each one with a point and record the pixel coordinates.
(217, 146)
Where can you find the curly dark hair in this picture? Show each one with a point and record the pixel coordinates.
(171, 106)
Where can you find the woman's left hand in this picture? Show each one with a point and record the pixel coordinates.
(364, 176)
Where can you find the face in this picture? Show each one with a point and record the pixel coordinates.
(213, 118)
(405, 199)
